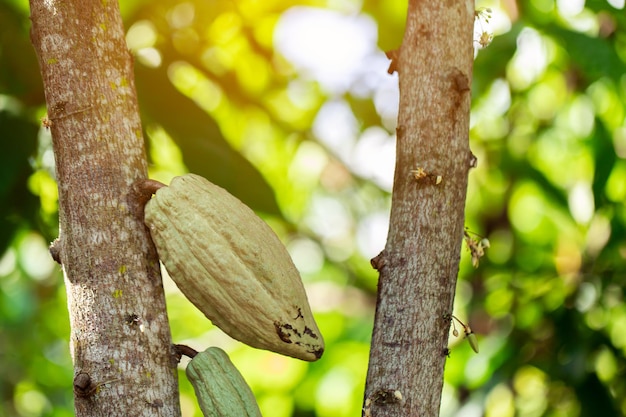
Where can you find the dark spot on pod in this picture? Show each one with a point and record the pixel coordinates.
(310, 332)
(280, 331)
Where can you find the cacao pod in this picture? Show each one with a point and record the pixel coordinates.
(219, 387)
(231, 265)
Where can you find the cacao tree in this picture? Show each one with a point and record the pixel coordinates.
(548, 191)
(120, 337)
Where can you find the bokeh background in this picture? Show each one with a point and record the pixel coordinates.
(289, 106)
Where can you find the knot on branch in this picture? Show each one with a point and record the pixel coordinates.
(84, 387)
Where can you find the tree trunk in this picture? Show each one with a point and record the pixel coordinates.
(419, 265)
(120, 338)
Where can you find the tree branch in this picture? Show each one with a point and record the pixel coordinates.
(419, 265)
(120, 339)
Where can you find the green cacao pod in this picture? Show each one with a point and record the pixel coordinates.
(231, 265)
(219, 387)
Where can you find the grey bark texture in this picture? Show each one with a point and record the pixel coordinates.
(418, 267)
(120, 338)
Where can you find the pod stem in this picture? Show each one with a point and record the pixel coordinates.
(185, 350)
(141, 192)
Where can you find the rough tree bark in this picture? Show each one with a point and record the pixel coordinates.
(120, 338)
(419, 265)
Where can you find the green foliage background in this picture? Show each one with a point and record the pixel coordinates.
(549, 131)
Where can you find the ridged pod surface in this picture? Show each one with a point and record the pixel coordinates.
(219, 387)
(231, 265)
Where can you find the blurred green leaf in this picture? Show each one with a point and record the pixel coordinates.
(205, 151)
(19, 141)
(19, 70)
(604, 152)
(594, 57)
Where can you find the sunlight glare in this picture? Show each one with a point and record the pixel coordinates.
(34, 257)
(500, 402)
(329, 46)
(329, 218)
(181, 15)
(374, 157)
(8, 262)
(570, 7)
(140, 39)
(334, 388)
(336, 127)
(598, 234)
(581, 204)
(307, 255)
(142, 34)
(530, 60)
(371, 234)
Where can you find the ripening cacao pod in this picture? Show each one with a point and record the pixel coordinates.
(231, 265)
(219, 387)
